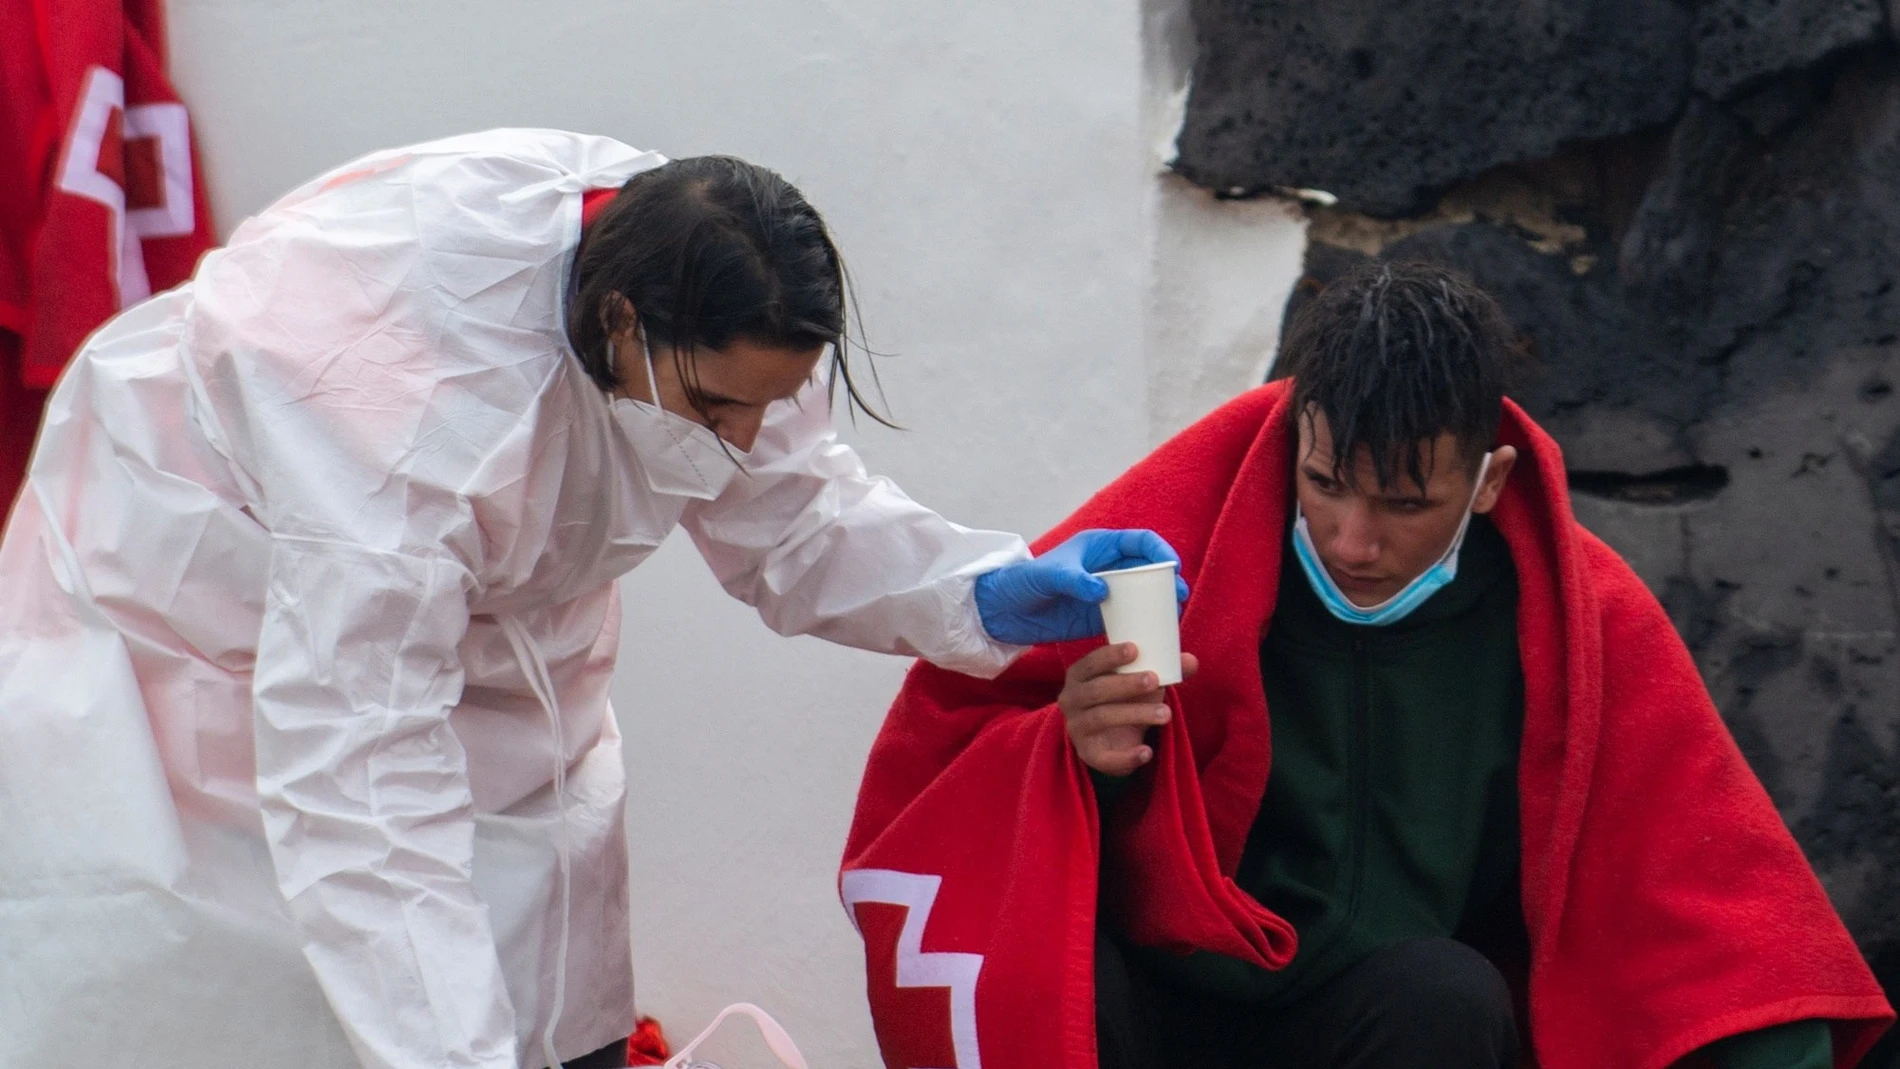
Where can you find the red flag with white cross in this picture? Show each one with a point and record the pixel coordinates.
(104, 203)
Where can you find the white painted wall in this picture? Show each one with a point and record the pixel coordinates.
(1219, 271)
(990, 169)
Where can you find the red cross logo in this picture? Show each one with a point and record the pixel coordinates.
(930, 996)
(137, 162)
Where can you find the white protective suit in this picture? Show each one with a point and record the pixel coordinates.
(307, 619)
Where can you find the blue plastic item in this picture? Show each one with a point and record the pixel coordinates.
(1054, 598)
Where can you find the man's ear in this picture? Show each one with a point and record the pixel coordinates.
(1503, 459)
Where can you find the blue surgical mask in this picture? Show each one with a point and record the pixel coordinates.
(1400, 605)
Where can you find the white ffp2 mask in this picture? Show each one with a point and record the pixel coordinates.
(679, 458)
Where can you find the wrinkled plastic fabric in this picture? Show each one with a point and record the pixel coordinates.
(274, 786)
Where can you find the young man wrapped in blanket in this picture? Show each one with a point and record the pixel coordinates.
(1442, 788)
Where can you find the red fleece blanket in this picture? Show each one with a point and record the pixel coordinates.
(1666, 903)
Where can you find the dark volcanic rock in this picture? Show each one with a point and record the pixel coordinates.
(1738, 41)
(1384, 104)
(1771, 108)
(1720, 367)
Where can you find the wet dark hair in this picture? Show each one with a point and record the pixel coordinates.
(710, 250)
(1394, 355)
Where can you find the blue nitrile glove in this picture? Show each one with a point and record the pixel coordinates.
(1053, 598)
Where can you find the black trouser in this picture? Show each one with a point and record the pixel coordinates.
(1423, 1004)
(611, 1056)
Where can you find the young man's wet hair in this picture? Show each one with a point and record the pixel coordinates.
(1394, 354)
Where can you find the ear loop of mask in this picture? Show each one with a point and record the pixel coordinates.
(653, 384)
(646, 353)
(1471, 503)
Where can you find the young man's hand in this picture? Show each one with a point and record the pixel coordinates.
(1109, 714)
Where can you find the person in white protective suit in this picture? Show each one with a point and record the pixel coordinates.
(308, 612)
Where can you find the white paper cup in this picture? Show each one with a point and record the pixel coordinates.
(1141, 608)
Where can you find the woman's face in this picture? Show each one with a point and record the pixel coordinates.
(735, 383)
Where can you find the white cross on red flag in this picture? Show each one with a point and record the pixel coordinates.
(103, 202)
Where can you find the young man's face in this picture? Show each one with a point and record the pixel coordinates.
(1373, 540)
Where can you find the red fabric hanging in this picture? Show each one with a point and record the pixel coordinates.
(647, 1045)
(103, 203)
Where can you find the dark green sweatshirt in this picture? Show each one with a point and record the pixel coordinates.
(1391, 810)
